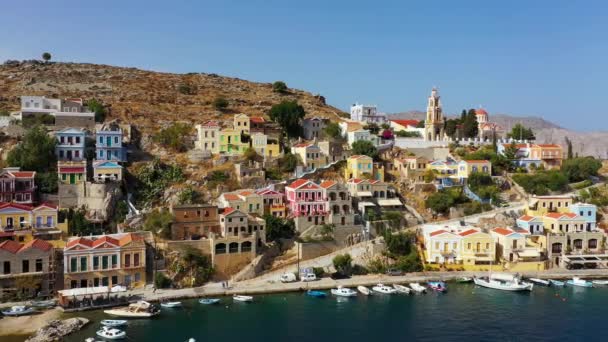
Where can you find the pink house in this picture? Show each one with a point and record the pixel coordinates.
(304, 198)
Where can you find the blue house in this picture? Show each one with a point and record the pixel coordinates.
(586, 211)
(532, 224)
(109, 146)
(70, 144)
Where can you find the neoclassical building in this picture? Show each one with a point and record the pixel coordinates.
(433, 125)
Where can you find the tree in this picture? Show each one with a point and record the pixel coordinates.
(46, 56)
(187, 196)
(364, 147)
(186, 89)
(451, 127)
(251, 154)
(159, 223)
(510, 152)
(172, 137)
(373, 128)
(78, 224)
(332, 130)
(385, 126)
(470, 126)
(220, 103)
(279, 228)
(519, 132)
(288, 162)
(36, 152)
(289, 115)
(569, 144)
(440, 202)
(47, 182)
(394, 220)
(279, 87)
(327, 230)
(420, 124)
(579, 169)
(399, 244)
(161, 281)
(98, 108)
(429, 176)
(343, 263)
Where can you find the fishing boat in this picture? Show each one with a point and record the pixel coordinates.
(557, 283)
(245, 299)
(418, 288)
(171, 304)
(381, 288)
(505, 282)
(438, 286)
(576, 281)
(343, 292)
(44, 303)
(141, 309)
(113, 322)
(111, 333)
(402, 289)
(540, 281)
(600, 282)
(209, 301)
(316, 294)
(364, 290)
(18, 310)
(464, 280)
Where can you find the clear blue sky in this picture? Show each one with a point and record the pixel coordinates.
(546, 58)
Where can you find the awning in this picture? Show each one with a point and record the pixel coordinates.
(364, 194)
(88, 291)
(366, 204)
(390, 202)
(529, 253)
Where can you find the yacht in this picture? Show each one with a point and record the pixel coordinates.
(343, 292)
(18, 310)
(556, 283)
(364, 290)
(171, 304)
(600, 282)
(505, 282)
(418, 288)
(113, 322)
(239, 298)
(381, 288)
(539, 281)
(111, 333)
(402, 288)
(141, 309)
(576, 281)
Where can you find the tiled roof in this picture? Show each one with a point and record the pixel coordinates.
(327, 184)
(114, 239)
(304, 144)
(359, 156)
(548, 145)
(15, 247)
(231, 197)
(520, 230)
(15, 205)
(24, 174)
(477, 161)
(211, 123)
(556, 216)
(257, 119)
(526, 218)
(246, 193)
(228, 211)
(46, 205)
(438, 232)
(267, 192)
(71, 169)
(480, 111)
(503, 231)
(406, 122)
(298, 183)
(356, 180)
(468, 232)
(10, 246)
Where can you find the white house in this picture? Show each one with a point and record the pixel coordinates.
(362, 134)
(366, 113)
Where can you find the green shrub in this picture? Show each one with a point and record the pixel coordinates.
(161, 281)
(173, 137)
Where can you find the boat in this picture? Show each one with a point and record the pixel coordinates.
(402, 289)
(141, 309)
(381, 288)
(464, 280)
(239, 298)
(171, 304)
(44, 303)
(438, 286)
(111, 333)
(191, 340)
(113, 322)
(505, 282)
(600, 282)
(556, 283)
(209, 301)
(343, 292)
(418, 288)
(18, 310)
(364, 290)
(316, 294)
(576, 281)
(540, 281)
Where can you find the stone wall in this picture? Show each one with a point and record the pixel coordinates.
(97, 198)
(311, 250)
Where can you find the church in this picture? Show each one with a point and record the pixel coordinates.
(487, 129)
(434, 123)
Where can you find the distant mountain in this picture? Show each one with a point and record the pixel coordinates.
(584, 143)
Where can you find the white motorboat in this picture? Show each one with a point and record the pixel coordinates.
(141, 309)
(238, 298)
(505, 282)
(113, 322)
(18, 310)
(576, 281)
(111, 333)
(381, 288)
(418, 288)
(540, 281)
(402, 288)
(364, 290)
(44, 303)
(343, 292)
(556, 283)
(171, 304)
(600, 282)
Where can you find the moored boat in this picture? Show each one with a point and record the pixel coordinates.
(141, 309)
(438, 286)
(364, 290)
(316, 294)
(171, 304)
(464, 280)
(504, 282)
(209, 301)
(18, 310)
(418, 288)
(576, 281)
(44, 303)
(557, 283)
(343, 292)
(113, 322)
(381, 288)
(240, 298)
(540, 281)
(111, 333)
(402, 288)
(600, 282)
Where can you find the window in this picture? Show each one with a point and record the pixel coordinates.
(83, 264)
(104, 262)
(78, 140)
(114, 261)
(7, 267)
(95, 262)
(73, 265)
(25, 266)
(116, 140)
(136, 259)
(137, 277)
(114, 280)
(101, 140)
(127, 260)
(100, 153)
(77, 154)
(73, 284)
(104, 281)
(469, 245)
(436, 245)
(96, 282)
(38, 265)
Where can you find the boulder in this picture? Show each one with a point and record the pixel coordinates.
(55, 330)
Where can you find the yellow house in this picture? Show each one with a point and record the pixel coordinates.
(231, 141)
(550, 154)
(246, 200)
(311, 155)
(466, 167)
(363, 167)
(560, 223)
(241, 123)
(540, 205)
(107, 170)
(72, 172)
(265, 146)
(478, 248)
(23, 223)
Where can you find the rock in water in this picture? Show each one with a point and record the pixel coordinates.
(56, 329)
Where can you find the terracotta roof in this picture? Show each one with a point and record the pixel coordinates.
(570, 215)
(245, 193)
(10, 246)
(304, 144)
(115, 239)
(15, 205)
(257, 119)
(24, 174)
(556, 216)
(104, 239)
(327, 184)
(71, 169)
(526, 218)
(469, 232)
(520, 230)
(406, 122)
(438, 232)
(298, 183)
(356, 180)
(211, 123)
(480, 111)
(231, 197)
(548, 145)
(15, 247)
(47, 205)
(503, 231)
(477, 161)
(228, 211)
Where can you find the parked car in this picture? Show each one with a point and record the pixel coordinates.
(308, 277)
(394, 272)
(288, 278)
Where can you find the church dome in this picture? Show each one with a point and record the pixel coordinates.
(480, 111)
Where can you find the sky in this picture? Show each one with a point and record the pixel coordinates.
(543, 58)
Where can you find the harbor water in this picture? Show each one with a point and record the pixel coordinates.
(465, 312)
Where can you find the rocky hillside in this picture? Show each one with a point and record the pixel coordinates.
(148, 99)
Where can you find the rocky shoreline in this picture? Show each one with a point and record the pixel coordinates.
(55, 330)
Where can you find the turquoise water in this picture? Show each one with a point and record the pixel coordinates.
(465, 312)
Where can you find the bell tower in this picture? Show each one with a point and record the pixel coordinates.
(433, 125)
